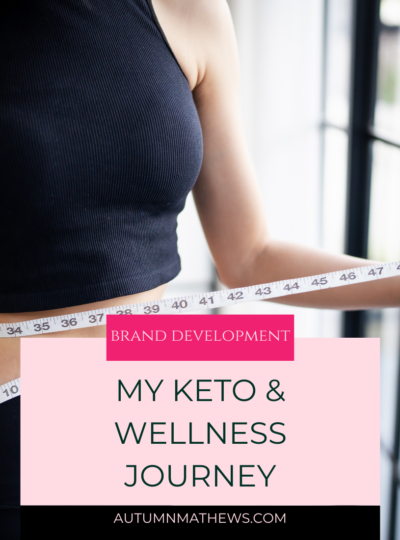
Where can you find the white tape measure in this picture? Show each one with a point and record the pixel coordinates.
(10, 390)
(197, 302)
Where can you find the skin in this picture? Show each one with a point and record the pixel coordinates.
(226, 193)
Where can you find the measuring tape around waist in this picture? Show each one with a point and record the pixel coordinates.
(201, 301)
(10, 390)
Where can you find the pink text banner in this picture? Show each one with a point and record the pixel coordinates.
(199, 433)
(200, 337)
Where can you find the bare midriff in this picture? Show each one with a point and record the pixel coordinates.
(10, 347)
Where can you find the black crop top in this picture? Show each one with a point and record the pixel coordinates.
(100, 144)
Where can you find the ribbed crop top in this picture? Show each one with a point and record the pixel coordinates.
(100, 144)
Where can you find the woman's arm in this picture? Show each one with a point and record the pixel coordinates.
(227, 195)
(229, 201)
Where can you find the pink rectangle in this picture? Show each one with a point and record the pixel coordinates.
(72, 454)
(199, 337)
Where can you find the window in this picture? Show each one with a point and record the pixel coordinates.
(361, 126)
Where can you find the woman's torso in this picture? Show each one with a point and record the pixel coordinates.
(101, 144)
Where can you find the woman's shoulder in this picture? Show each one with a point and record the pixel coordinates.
(204, 15)
(196, 31)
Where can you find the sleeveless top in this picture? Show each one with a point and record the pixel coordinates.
(100, 144)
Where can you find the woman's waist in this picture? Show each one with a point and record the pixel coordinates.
(153, 294)
(10, 348)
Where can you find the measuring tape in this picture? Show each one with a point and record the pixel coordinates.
(10, 390)
(194, 302)
(197, 302)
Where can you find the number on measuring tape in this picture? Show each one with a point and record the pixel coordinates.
(236, 296)
(182, 304)
(265, 291)
(13, 331)
(14, 389)
(151, 309)
(378, 271)
(65, 323)
(204, 301)
(322, 281)
(40, 327)
(345, 277)
(9, 390)
(95, 318)
(289, 288)
(124, 312)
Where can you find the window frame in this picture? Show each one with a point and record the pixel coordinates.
(362, 133)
